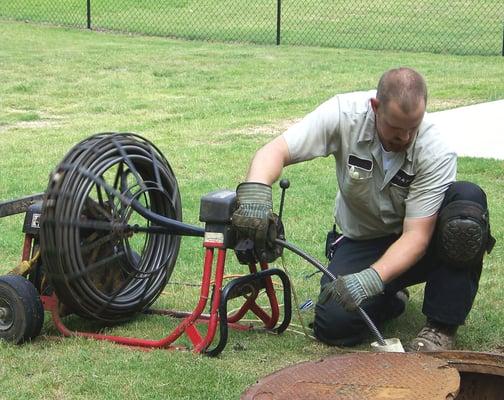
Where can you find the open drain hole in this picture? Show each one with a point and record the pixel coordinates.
(480, 386)
(481, 374)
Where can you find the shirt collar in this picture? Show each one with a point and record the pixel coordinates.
(368, 131)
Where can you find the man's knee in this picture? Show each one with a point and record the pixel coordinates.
(468, 191)
(463, 227)
(335, 326)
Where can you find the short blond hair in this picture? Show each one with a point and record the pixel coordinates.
(403, 85)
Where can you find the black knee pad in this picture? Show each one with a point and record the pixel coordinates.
(463, 234)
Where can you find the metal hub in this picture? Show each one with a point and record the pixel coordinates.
(361, 376)
(6, 319)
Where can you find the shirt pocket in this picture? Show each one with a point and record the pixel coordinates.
(358, 179)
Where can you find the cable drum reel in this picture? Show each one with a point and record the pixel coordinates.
(106, 245)
(99, 266)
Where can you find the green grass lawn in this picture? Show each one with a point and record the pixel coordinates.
(208, 107)
(461, 27)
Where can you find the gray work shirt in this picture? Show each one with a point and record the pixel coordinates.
(371, 203)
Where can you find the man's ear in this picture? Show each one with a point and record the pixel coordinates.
(374, 104)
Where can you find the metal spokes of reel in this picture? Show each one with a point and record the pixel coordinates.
(101, 250)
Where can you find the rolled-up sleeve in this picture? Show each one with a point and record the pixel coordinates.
(434, 175)
(316, 135)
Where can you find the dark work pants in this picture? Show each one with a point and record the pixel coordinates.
(449, 292)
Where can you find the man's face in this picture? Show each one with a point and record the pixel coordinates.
(396, 129)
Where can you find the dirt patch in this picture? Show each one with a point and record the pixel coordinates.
(270, 129)
(447, 104)
(499, 349)
(41, 123)
(43, 120)
(34, 124)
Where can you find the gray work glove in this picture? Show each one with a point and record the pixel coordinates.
(255, 212)
(351, 290)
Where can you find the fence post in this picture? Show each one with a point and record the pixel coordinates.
(88, 7)
(502, 40)
(279, 17)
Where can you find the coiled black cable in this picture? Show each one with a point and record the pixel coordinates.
(109, 272)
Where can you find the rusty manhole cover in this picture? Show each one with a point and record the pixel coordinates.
(361, 376)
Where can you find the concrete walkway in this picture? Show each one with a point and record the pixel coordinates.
(474, 131)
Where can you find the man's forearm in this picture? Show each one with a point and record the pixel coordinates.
(399, 257)
(267, 164)
(406, 250)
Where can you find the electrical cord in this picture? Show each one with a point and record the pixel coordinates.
(296, 301)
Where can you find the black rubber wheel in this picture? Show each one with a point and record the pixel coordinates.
(21, 311)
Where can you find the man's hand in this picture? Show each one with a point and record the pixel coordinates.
(351, 290)
(255, 212)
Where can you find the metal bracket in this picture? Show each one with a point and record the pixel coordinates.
(18, 206)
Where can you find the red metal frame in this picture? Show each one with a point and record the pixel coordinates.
(188, 324)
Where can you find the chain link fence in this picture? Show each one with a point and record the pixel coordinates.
(438, 26)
